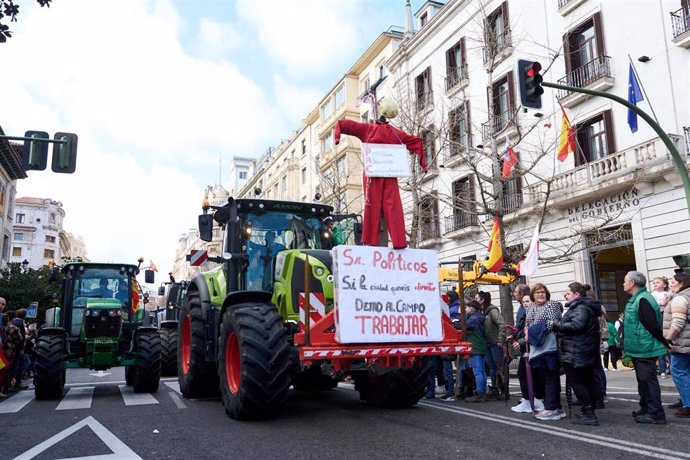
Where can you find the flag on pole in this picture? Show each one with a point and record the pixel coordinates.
(152, 266)
(566, 139)
(529, 265)
(494, 260)
(510, 159)
(135, 296)
(634, 96)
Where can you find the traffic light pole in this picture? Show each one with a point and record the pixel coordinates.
(20, 138)
(677, 159)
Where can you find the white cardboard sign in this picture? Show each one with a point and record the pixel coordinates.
(384, 295)
(386, 160)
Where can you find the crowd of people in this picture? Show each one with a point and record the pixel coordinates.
(17, 340)
(551, 339)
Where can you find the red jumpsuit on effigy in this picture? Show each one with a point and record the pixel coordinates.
(381, 193)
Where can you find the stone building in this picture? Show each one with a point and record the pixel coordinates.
(38, 236)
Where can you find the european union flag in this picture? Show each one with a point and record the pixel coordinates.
(634, 96)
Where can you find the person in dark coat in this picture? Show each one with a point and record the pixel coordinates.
(579, 336)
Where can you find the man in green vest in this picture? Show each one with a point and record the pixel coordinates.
(644, 342)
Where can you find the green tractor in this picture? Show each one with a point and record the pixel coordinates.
(240, 331)
(98, 325)
(166, 319)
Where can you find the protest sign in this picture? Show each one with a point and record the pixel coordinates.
(386, 160)
(384, 295)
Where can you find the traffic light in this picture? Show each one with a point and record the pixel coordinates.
(683, 262)
(35, 153)
(65, 153)
(530, 83)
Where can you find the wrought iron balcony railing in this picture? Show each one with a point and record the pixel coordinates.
(460, 220)
(680, 21)
(586, 74)
(455, 76)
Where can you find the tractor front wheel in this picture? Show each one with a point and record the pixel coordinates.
(49, 372)
(254, 362)
(168, 351)
(197, 377)
(148, 370)
(130, 372)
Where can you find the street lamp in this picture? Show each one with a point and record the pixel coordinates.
(25, 265)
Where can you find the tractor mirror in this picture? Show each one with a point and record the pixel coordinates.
(161, 291)
(206, 227)
(149, 276)
(146, 298)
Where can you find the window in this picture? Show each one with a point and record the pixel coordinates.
(242, 175)
(364, 118)
(50, 239)
(423, 88)
(304, 147)
(464, 205)
(595, 138)
(382, 71)
(459, 123)
(304, 177)
(456, 66)
(585, 59)
(503, 102)
(496, 33)
(48, 253)
(428, 218)
(52, 218)
(341, 167)
(423, 19)
(2, 199)
(19, 236)
(326, 109)
(512, 192)
(20, 218)
(275, 191)
(16, 252)
(283, 185)
(327, 142)
(340, 97)
(429, 143)
(365, 85)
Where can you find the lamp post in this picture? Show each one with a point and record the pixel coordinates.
(25, 265)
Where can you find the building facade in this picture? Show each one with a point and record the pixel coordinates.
(616, 204)
(38, 237)
(10, 171)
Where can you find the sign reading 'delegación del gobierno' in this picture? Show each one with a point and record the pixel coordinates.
(384, 295)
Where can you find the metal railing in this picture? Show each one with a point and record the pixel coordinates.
(498, 123)
(429, 230)
(562, 3)
(512, 202)
(680, 21)
(460, 220)
(425, 101)
(686, 136)
(586, 74)
(496, 44)
(455, 76)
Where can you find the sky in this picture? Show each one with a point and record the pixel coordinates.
(162, 94)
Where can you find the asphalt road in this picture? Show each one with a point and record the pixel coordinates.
(100, 418)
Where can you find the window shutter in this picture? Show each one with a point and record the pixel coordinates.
(599, 33)
(468, 129)
(608, 126)
(566, 54)
(511, 91)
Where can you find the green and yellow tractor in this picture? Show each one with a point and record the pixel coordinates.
(98, 325)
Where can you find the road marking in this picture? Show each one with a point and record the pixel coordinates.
(17, 402)
(101, 374)
(175, 386)
(177, 400)
(136, 399)
(612, 443)
(77, 398)
(114, 382)
(119, 448)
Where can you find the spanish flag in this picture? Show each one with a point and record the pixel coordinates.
(566, 139)
(135, 296)
(494, 261)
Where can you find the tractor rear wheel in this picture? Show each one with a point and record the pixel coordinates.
(399, 388)
(49, 373)
(254, 363)
(197, 377)
(168, 351)
(312, 379)
(148, 370)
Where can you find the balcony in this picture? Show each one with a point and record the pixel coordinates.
(680, 24)
(457, 79)
(429, 234)
(503, 123)
(431, 172)
(595, 75)
(646, 162)
(497, 48)
(460, 224)
(566, 6)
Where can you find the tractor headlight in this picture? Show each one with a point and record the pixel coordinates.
(319, 271)
(113, 312)
(92, 313)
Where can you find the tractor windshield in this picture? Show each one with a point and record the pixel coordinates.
(272, 233)
(100, 283)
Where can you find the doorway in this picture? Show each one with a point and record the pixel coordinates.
(609, 267)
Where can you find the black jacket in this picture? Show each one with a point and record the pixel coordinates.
(579, 333)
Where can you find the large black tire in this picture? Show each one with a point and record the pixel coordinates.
(49, 371)
(312, 379)
(130, 373)
(395, 389)
(148, 373)
(168, 351)
(197, 377)
(254, 362)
